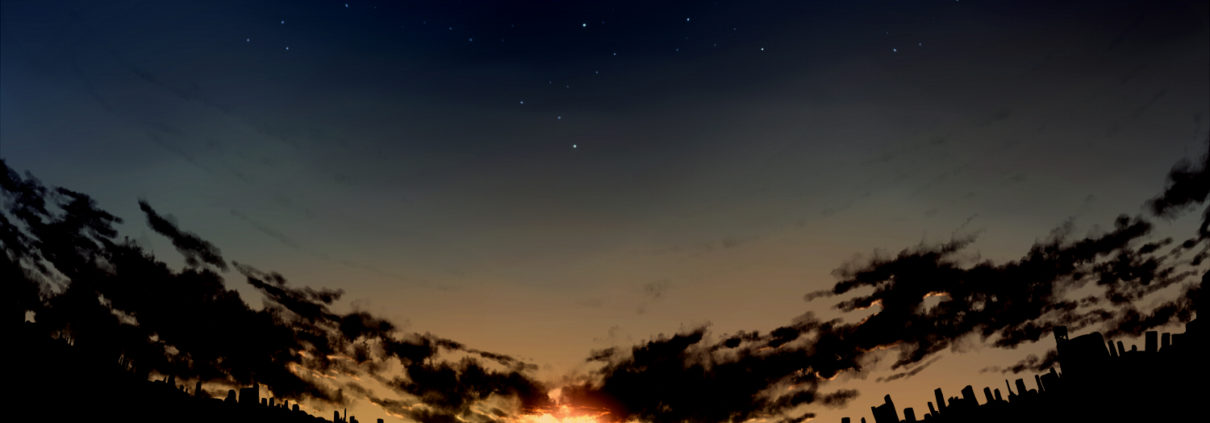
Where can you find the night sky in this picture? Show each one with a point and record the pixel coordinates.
(548, 178)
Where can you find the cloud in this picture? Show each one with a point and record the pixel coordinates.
(1031, 362)
(115, 302)
(195, 250)
(1186, 187)
(910, 372)
(691, 376)
(120, 304)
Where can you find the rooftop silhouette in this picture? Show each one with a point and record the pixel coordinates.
(1098, 381)
(96, 318)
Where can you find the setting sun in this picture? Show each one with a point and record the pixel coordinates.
(565, 414)
(625, 211)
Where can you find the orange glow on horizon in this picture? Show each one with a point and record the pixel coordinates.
(566, 414)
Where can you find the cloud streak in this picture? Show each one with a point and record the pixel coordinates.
(117, 303)
(694, 376)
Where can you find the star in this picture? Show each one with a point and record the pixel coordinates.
(522, 101)
(574, 146)
(762, 49)
(894, 50)
(248, 40)
(283, 21)
(686, 19)
(584, 25)
(470, 40)
(346, 5)
(287, 48)
(559, 117)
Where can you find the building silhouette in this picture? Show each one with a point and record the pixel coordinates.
(1095, 380)
(885, 413)
(1100, 381)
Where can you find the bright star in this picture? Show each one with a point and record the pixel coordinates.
(287, 48)
(894, 50)
(686, 19)
(283, 21)
(248, 40)
(574, 146)
(584, 25)
(522, 101)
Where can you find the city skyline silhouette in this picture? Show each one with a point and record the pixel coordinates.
(111, 318)
(567, 211)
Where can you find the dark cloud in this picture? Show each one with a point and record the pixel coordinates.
(195, 249)
(116, 303)
(1187, 186)
(690, 376)
(120, 304)
(449, 389)
(909, 372)
(1031, 363)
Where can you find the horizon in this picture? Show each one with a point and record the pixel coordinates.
(542, 189)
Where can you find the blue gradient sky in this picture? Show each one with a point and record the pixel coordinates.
(548, 178)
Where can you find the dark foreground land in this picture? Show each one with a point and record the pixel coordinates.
(55, 382)
(1097, 381)
(1101, 381)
